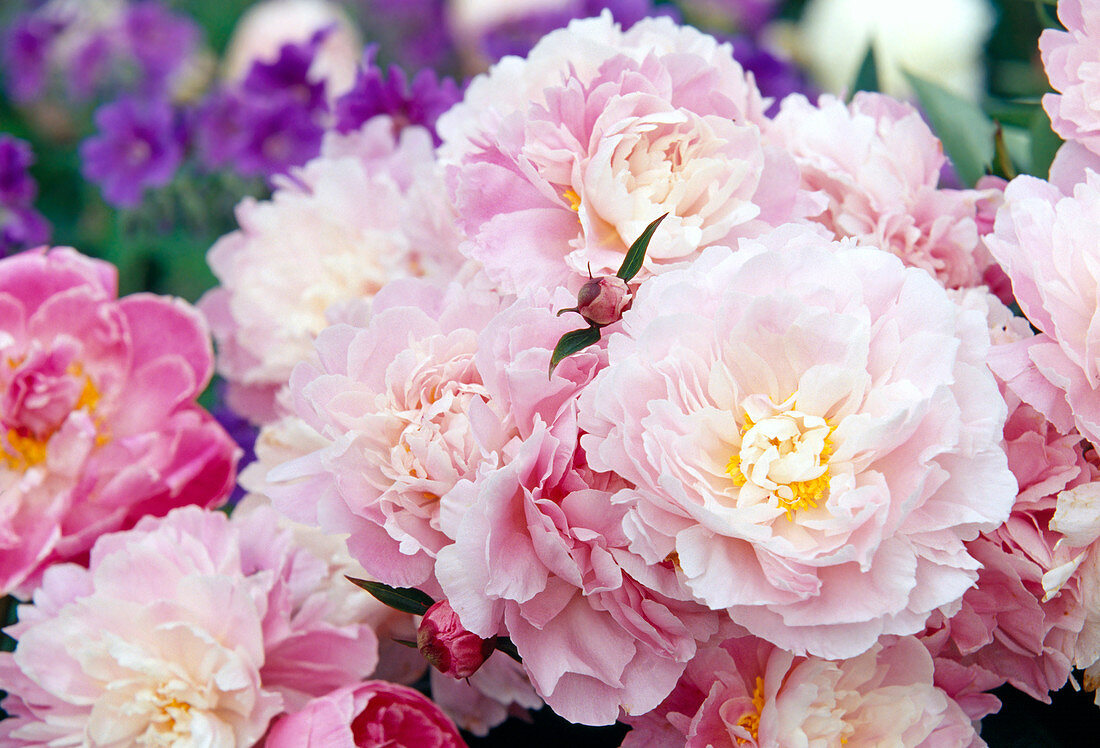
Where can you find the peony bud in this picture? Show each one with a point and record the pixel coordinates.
(601, 300)
(451, 649)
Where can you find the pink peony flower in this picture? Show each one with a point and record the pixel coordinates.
(451, 649)
(1043, 239)
(596, 629)
(190, 628)
(812, 433)
(403, 410)
(746, 693)
(370, 208)
(1019, 624)
(1071, 58)
(373, 714)
(98, 421)
(878, 164)
(558, 162)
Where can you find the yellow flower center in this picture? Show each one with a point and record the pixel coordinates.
(751, 720)
(25, 450)
(574, 200)
(786, 454)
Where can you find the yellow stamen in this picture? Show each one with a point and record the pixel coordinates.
(574, 200)
(751, 720)
(29, 451)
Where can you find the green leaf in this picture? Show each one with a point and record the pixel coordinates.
(505, 645)
(407, 643)
(405, 599)
(867, 76)
(964, 129)
(571, 342)
(635, 256)
(1044, 143)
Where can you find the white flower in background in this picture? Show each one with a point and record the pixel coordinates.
(267, 26)
(939, 40)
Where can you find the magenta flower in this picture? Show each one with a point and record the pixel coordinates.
(1070, 58)
(373, 714)
(98, 421)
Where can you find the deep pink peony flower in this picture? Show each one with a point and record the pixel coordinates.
(747, 693)
(1071, 59)
(370, 208)
(878, 165)
(1043, 238)
(558, 162)
(192, 627)
(812, 433)
(98, 421)
(374, 714)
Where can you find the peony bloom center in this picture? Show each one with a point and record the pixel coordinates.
(41, 396)
(751, 720)
(784, 455)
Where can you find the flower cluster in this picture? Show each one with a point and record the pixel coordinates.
(621, 387)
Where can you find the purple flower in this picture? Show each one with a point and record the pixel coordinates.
(518, 36)
(139, 145)
(21, 226)
(376, 92)
(775, 76)
(159, 41)
(278, 137)
(241, 431)
(288, 75)
(25, 48)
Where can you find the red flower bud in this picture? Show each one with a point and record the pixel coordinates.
(601, 300)
(451, 649)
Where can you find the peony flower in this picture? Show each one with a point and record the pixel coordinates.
(265, 27)
(369, 209)
(1070, 58)
(98, 421)
(542, 514)
(878, 165)
(1043, 240)
(369, 715)
(1019, 624)
(451, 649)
(748, 693)
(192, 628)
(559, 162)
(941, 41)
(811, 432)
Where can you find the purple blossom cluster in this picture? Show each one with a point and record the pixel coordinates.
(21, 226)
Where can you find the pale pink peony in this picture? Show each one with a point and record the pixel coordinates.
(98, 421)
(813, 434)
(374, 714)
(595, 627)
(878, 165)
(1072, 59)
(1044, 240)
(192, 627)
(370, 208)
(405, 415)
(747, 693)
(558, 162)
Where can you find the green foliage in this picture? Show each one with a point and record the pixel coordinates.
(966, 131)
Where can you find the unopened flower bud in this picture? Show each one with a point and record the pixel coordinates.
(451, 649)
(601, 300)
